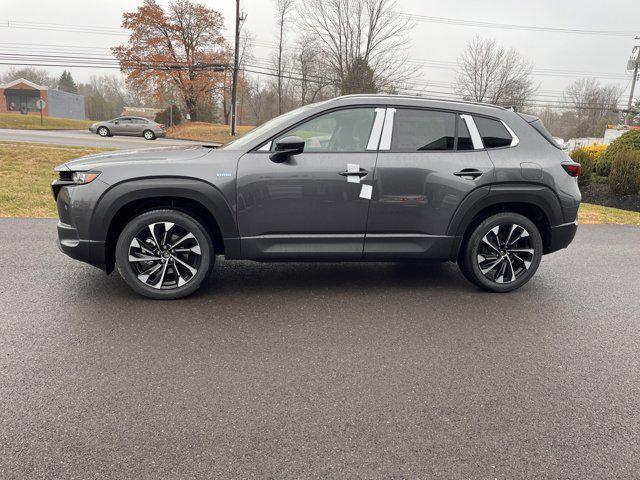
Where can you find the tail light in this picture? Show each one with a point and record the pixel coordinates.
(162, 126)
(573, 169)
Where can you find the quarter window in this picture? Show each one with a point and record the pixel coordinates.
(493, 133)
(338, 131)
(422, 130)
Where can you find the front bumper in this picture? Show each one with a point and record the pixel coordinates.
(76, 204)
(70, 244)
(561, 236)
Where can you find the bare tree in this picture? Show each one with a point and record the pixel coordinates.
(487, 72)
(35, 75)
(350, 31)
(283, 10)
(595, 105)
(309, 68)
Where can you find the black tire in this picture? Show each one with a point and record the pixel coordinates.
(104, 132)
(149, 135)
(514, 262)
(175, 277)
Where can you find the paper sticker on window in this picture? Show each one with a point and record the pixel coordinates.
(366, 191)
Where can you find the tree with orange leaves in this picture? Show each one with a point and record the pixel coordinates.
(178, 47)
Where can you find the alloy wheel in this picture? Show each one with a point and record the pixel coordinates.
(165, 255)
(505, 253)
(148, 135)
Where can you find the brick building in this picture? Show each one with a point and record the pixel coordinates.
(20, 96)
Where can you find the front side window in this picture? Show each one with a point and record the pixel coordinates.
(338, 131)
(493, 133)
(423, 130)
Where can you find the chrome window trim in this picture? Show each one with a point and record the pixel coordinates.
(387, 129)
(376, 130)
(514, 138)
(476, 139)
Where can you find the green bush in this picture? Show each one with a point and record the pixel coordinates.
(586, 161)
(624, 178)
(164, 116)
(628, 141)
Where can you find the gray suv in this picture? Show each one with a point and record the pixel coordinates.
(131, 126)
(356, 178)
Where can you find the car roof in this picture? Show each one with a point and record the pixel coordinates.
(416, 101)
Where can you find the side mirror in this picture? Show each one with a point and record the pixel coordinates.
(287, 147)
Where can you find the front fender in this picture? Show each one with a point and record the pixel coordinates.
(121, 194)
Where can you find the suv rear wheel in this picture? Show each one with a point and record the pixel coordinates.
(502, 253)
(164, 254)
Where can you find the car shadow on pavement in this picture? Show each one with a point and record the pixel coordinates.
(260, 278)
(253, 278)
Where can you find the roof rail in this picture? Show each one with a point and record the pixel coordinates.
(414, 97)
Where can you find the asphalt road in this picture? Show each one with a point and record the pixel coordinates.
(321, 370)
(85, 138)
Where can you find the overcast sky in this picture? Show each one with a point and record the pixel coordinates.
(604, 56)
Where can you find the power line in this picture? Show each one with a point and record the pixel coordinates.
(509, 26)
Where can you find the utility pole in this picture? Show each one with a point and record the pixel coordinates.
(236, 64)
(636, 65)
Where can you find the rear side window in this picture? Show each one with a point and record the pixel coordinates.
(423, 130)
(493, 133)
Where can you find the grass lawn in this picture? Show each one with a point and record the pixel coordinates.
(205, 132)
(597, 214)
(32, 122)
(26, 172)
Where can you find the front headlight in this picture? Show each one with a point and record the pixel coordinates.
(81, 178)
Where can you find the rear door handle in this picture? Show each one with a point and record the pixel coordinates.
(361, 173)
(471, 173)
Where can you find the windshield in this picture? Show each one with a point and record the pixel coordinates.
(249, 137)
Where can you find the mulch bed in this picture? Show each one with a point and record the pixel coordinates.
(599, 194)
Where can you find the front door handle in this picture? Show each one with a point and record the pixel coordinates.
(361, 173)
(471, 173)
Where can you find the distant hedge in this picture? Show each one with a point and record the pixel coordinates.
(585, 159)
(164, 116)
(624, 178)
(628, 141)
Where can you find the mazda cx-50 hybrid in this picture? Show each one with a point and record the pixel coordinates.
(356, 178)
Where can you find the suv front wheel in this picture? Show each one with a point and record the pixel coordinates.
(502, 253)
(164, 254)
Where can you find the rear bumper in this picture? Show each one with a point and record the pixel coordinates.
(561, 236)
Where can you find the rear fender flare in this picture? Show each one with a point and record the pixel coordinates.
(540, 196)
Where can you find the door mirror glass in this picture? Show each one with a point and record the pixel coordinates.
(286, 147)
